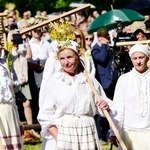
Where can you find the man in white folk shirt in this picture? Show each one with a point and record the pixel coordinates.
(131, 110)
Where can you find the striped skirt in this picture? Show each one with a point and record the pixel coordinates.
(77, 133)
(10, 133)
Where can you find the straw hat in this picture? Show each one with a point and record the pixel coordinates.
(138, 25)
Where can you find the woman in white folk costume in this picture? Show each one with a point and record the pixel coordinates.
(66, 115)
(52, 64)
(131, 112)
(11, 130)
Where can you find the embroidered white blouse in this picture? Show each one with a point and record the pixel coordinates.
(6, 90)
(63, 95)
(132, 101)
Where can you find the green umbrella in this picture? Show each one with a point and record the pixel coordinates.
(111, 18)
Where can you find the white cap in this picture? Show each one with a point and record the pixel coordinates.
(139, 48)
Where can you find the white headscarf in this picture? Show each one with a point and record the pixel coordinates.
(139, 48)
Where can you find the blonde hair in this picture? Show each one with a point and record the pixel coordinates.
(86, 34)
(82, 45)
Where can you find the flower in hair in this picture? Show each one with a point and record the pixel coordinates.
(62, 31)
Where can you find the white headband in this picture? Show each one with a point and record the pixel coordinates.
(69, 44)
(139, 48)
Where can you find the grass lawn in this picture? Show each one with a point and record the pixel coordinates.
(32, 145)
(37, 146)
(107, 147)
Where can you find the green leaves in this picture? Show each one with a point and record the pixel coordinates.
(61, 3)
(9, 60)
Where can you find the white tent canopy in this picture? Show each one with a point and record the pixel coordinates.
(80, 3)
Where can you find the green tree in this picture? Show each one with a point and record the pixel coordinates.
(60, 5)
(106, 4)
(48, 5)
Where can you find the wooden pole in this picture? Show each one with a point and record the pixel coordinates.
(1, 146)
(3, 14)
(104, 111)
(111, 7)
(132, 43)
(31, 126)
(41, 17)
(45, 22)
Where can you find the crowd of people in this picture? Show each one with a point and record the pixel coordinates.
(47, 77)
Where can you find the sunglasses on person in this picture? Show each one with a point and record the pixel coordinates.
(90, 39)
(37, 30)
(77, 35)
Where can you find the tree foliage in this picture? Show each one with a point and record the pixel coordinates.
(108, 4)
(60, 5)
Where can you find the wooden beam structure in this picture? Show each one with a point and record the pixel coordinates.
(46, 22)
(128, 43)
(2, 30)
(3, 14)
(41, 17)
(31, 126)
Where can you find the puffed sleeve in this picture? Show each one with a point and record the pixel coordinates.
(46, 116)
(51, 66)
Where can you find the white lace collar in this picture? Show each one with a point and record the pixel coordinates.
(80, 78)
(141, 75)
